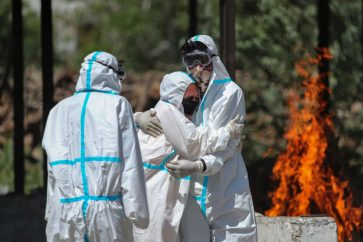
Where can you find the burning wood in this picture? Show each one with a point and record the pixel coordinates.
(307, 183)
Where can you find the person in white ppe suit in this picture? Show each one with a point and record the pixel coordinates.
(167, 195)
(220, 207)
(96, 185)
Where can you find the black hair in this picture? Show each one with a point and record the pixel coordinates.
(190, 46)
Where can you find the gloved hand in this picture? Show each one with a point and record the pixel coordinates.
(149, 123)
(183, 168)
(235, 127)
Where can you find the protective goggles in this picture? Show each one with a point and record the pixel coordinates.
(120, 69)
(202, 58)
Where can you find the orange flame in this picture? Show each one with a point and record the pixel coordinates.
(306, 183)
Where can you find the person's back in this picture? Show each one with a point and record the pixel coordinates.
(95, 169)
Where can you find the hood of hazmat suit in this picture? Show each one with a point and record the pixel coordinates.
(96, 180)
(173, 87)
(220, 204)
(167, 195)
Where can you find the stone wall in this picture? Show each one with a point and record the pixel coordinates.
(296, 229)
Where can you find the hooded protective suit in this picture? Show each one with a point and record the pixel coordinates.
(221, 207)
(168, 195)
(95, 176)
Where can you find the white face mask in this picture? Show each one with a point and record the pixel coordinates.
(202, 76)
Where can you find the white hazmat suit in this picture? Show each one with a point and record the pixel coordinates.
(221, 207)
(168, 195)
(96, 183)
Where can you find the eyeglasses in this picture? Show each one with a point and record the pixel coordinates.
(199, 57)
(120, 68)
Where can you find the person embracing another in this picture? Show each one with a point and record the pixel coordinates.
(168, 195)
(220, 206)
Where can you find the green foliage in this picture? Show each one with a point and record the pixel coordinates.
(271, 36)
(274, 31)
(133, 30)
(6, 167)
(31, 32)
(5, 31)
(347, 84)
(33, 169)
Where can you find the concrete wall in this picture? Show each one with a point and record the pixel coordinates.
(296, 229)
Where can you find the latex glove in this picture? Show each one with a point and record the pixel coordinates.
(235, 127)
(149, 123)
(183, 168)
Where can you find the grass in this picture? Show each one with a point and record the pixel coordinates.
(33, 169)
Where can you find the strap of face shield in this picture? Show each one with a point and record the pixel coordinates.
(120, 68)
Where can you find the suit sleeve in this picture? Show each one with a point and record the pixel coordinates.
(133, 181)
(227, 108)
(188, 140)
(55, 143)
(51, 195)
